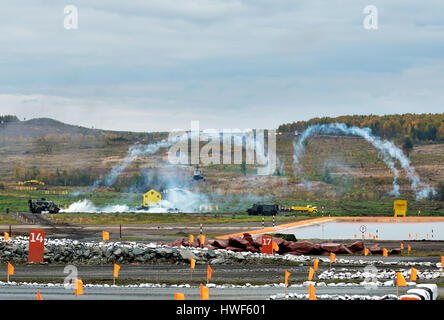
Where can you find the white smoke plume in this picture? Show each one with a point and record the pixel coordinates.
(176, 200)
(387, 149)
(86, 206)
(135, 151)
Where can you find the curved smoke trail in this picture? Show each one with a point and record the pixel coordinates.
(133, 152)
(388, 149)
(137, 150)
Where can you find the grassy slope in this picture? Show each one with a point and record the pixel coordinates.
(358, 186)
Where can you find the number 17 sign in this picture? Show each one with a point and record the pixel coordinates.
(267, 244)
(36, 245)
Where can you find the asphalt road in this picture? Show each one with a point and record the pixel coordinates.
(161, 273)
(167, 293)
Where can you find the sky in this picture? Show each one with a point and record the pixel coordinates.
(157, 65)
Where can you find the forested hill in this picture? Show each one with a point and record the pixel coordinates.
(418, 127)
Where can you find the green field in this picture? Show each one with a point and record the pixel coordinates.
(16, 201)
(159, 218)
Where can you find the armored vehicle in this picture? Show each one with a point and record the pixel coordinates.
(263, 210)
(38, 206)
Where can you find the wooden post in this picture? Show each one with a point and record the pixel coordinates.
(120, 232)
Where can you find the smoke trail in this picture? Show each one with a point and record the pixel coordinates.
(176, 199)
(387, 148)
(133, 152)
(137, 150)
(86, 206)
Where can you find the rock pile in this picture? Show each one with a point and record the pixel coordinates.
(232, 251)
(247, 243)
(66, 251)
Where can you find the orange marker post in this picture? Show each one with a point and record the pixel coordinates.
(209, 273)
(39, 297)
(315, 264)
(310, 274)
(408, 249)
(275, 247)
(366, 251)
(79, 287)
(332, 258)
(287, 274)
(10, 270)
(192, 265)
(179, 296)
(311, 292)
(384, 252)
(400, 282)
(413, 274)
(116, 273)
(201, 240)
(204, 292)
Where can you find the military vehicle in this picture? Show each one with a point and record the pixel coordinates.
(307, 208)
(197, 174)
(263, 210)
(38, 206)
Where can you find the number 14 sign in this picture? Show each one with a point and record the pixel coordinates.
(36, 245)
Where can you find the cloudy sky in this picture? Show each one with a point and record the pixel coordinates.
(148, 65)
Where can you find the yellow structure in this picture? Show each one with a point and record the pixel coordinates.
(151, 198)
(56, 192)
(400, 207)
(26, 188)
(31, 182)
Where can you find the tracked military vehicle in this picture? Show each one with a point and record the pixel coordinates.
(38, 206)
(263, 210)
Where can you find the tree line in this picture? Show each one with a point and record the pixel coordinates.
(417, 127)
(64, 177)
(8, 118)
